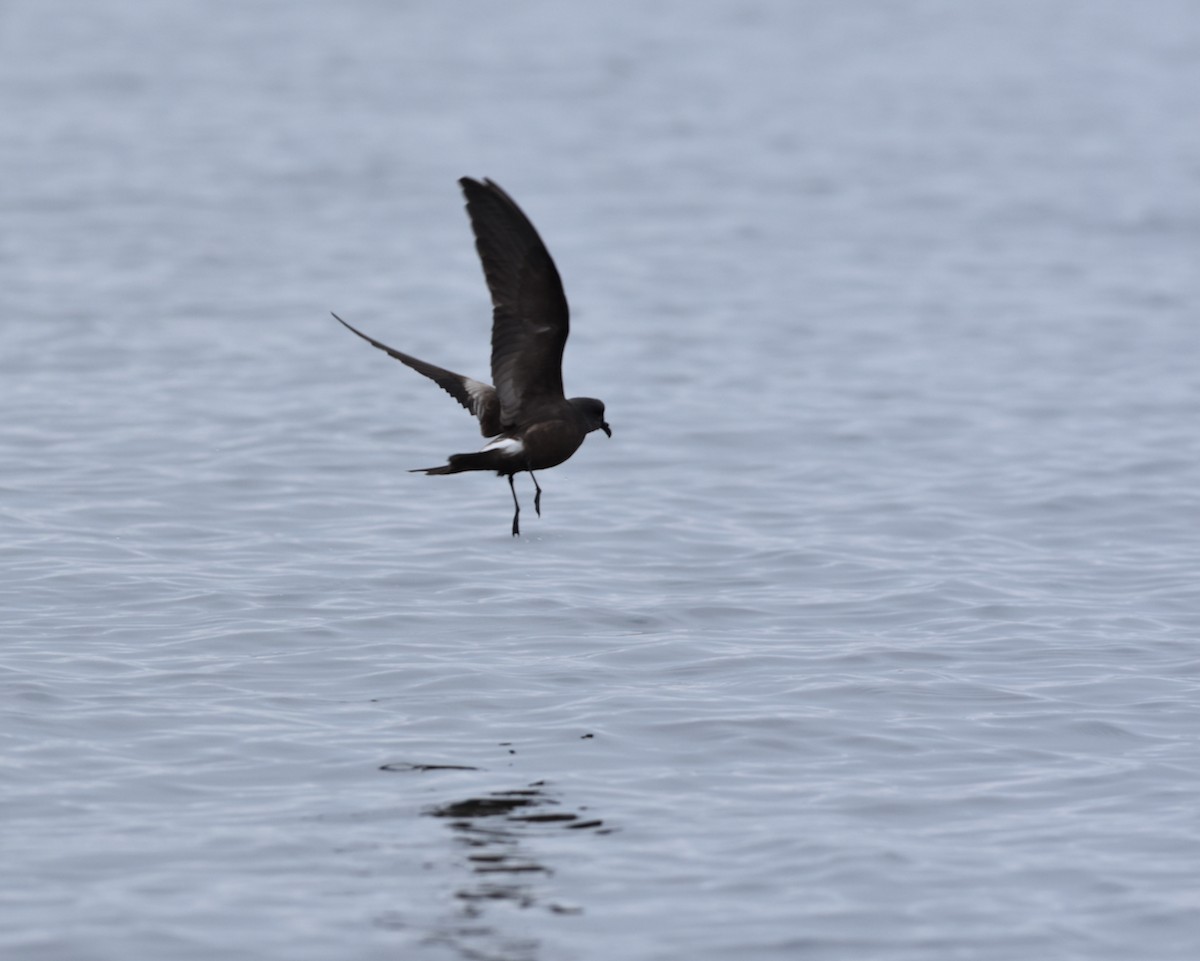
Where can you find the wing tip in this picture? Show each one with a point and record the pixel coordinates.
(355, 330)
(472, 188)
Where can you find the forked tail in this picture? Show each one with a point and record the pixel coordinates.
(480, 460)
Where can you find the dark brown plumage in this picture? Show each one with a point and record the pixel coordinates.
(530, 423)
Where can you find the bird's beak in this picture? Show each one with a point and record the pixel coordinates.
(607, 430)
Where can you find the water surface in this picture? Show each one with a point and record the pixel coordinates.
(870, 634)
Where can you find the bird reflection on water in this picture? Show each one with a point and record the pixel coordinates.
(494, 829)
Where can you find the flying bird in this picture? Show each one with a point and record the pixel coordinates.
(529, 422)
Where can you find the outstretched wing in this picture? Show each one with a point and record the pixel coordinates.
(475, 396)
(530, 319)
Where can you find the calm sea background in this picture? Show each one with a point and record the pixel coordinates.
(872, 633)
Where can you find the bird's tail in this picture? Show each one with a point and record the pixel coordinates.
(480, 460)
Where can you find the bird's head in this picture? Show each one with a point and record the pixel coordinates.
(593, 413)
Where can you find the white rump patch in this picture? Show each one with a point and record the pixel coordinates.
(510, 445)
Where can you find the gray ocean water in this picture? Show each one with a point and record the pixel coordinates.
(873, 631)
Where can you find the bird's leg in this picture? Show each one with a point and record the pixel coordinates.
(517, 506)
(537, 498)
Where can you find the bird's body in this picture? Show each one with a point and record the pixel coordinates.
(530, 424)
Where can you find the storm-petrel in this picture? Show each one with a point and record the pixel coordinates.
(530, 424)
